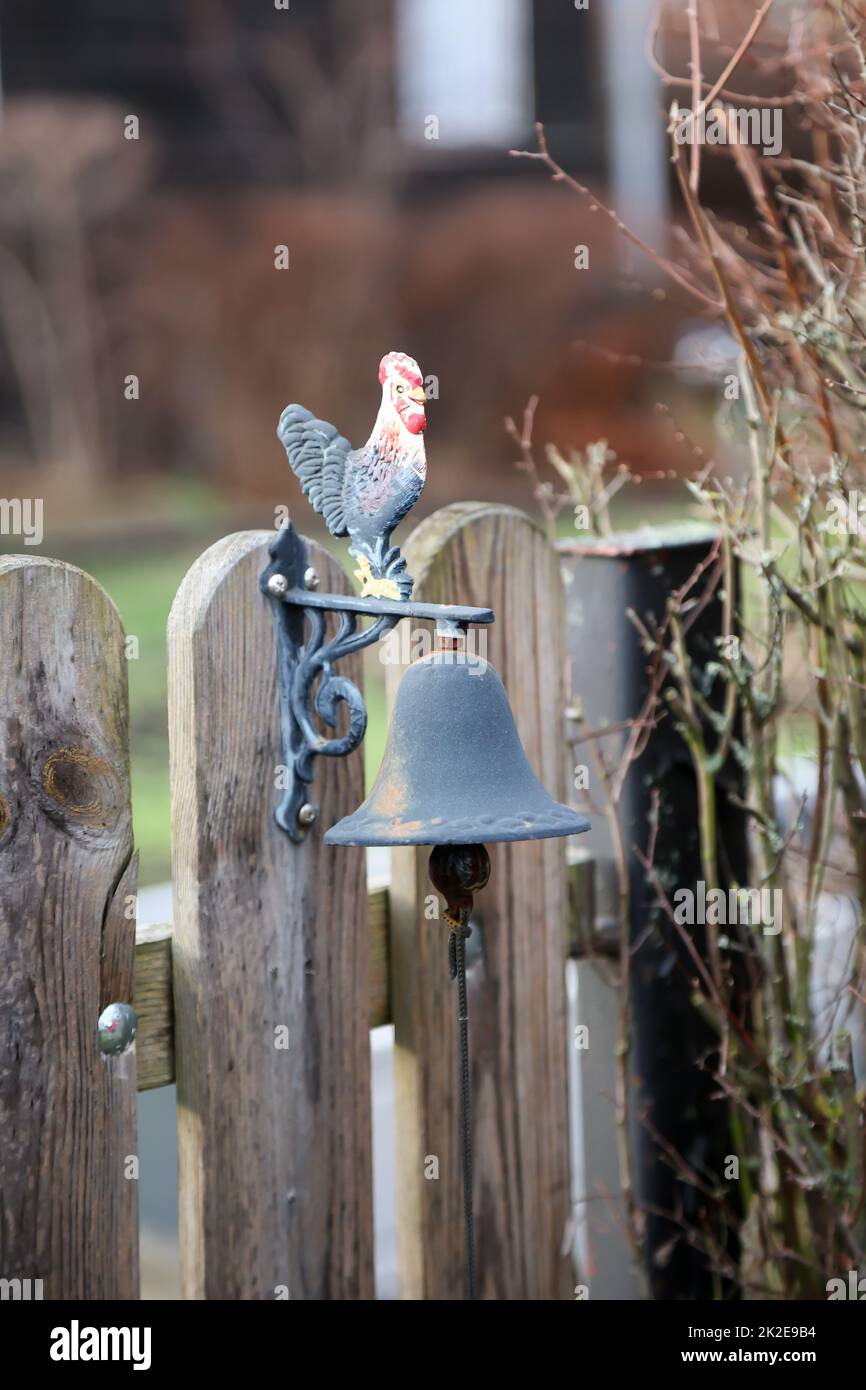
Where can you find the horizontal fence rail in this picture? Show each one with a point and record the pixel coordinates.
(154, 1003)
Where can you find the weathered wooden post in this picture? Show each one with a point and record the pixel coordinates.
(472, 553)
(68, 1163)
(270, 966)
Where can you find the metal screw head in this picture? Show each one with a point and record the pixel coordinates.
(278, 585)
(117, 1025)
(307, 813)
(311, 578)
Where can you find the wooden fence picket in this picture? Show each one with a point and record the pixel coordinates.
(274, 1142)
(493, 555)
(68, 1194)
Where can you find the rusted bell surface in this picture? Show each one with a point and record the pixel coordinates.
(454, 770)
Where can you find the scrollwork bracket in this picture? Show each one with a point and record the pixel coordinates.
(306, 654)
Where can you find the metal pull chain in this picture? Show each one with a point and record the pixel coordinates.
(457, 968)
(459, 871)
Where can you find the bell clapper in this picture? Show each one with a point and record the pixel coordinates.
(458, 872)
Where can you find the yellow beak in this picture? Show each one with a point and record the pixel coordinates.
(419, 395)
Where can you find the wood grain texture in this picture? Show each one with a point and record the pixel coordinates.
(274, 1144)
(485, 555)
(68, 1212)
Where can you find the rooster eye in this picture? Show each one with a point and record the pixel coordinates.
(401, 388)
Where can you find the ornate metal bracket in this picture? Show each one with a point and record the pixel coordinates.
(305, 656)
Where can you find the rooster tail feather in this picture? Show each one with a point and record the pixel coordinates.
(317, 454)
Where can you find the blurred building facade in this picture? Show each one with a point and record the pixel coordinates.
(154, 161)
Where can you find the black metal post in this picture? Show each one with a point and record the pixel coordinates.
(674, 1108)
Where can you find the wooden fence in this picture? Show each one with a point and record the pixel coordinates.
(258, 998)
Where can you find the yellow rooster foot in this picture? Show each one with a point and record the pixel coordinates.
(371, 587)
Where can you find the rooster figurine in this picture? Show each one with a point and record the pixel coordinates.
(365, 493)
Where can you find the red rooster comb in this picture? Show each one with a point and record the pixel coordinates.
(402, 363)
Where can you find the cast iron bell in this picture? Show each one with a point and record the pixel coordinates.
(454, 770)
